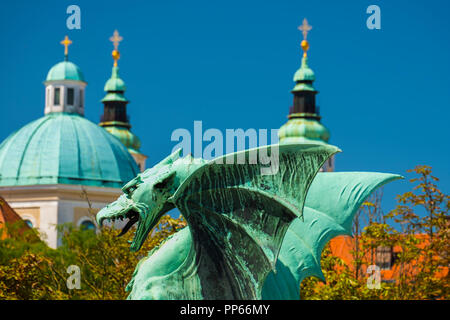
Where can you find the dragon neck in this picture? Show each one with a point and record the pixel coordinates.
(214, 258)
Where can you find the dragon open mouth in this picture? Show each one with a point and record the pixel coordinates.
(137, 214)
(131, 215)
(133, 218)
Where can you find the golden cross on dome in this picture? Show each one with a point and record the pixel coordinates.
(305, 28)
(66, 43)
(116, 39)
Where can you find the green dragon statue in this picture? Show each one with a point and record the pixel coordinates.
(250, 234)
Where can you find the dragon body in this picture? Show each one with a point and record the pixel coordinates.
(250, 234)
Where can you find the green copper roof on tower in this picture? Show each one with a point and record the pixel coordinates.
(298, 130)
(65, 70)
(115, 87)
(115, 83)
(304, 77)
(115, 119)
(304, 73)
(304, 121)
(130, 140)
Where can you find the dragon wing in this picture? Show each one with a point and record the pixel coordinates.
(331, 203)
(238, 216)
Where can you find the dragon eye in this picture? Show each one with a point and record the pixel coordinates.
(129, 189)
(131, 186)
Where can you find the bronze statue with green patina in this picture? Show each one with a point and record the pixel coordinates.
(250, 235)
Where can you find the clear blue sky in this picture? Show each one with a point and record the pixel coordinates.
(384, 94)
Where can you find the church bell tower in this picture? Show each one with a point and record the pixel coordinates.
(115, 118)
(304, 124)
(64, 86)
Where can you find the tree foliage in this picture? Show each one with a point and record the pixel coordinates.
(35, 271)
(420, 268)
(29, 269)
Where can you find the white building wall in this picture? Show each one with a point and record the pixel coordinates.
(62, 106)
(57, 204)
(66, 212)
(48, 218)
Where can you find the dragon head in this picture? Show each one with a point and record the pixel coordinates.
(146, 197)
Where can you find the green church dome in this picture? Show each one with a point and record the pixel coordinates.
(298, 130)
(304, 73)
(115, 83)
(62, 148)
(304, 77)
(115, 87)
(65, 70)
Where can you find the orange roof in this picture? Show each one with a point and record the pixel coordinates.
(342, 247)
(9, 216)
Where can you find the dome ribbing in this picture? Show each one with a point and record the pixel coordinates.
(65, 148)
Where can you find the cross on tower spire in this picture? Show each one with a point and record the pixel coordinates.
(305, 28)
(116, 39)
(66, 43)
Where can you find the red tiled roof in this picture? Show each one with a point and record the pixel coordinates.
(9, 216)
(342, 247)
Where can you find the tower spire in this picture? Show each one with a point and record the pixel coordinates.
(304, 119)
(116, 39)
(66, 43)
(115, 118)
(65, 86)
(305, 28)
(304, 92)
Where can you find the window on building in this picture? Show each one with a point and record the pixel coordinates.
(81, 98)
(70, 96)
(384, 257)
(57, 97)
(88, 225)
(29, 223)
